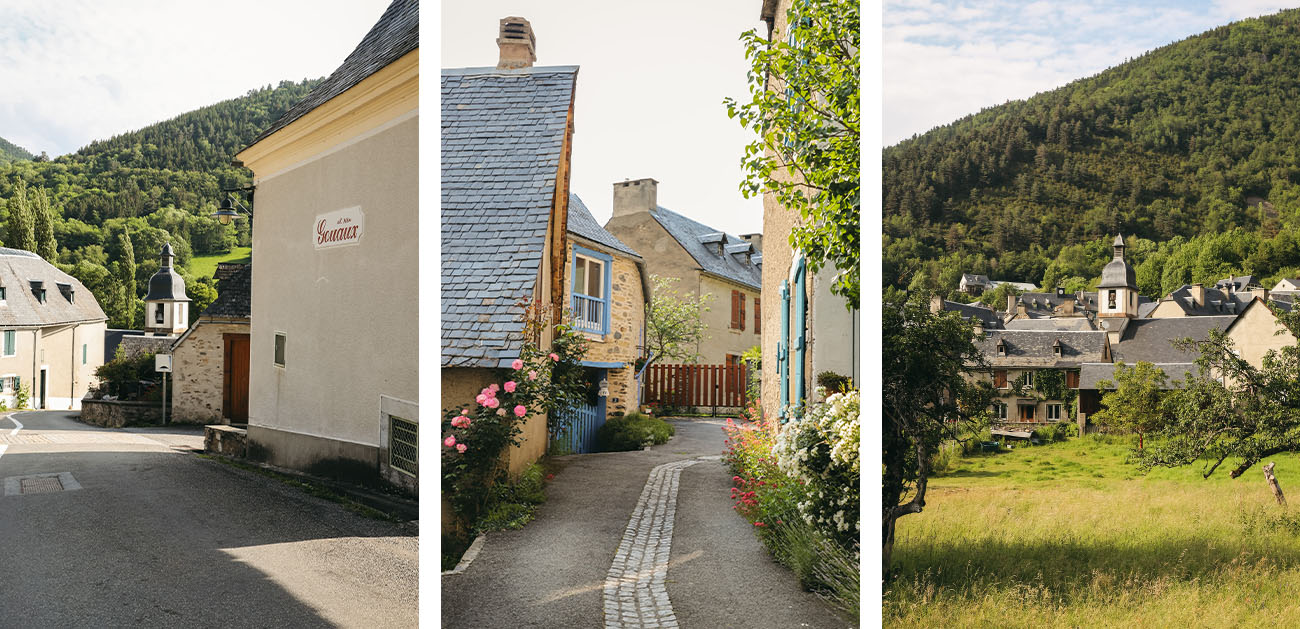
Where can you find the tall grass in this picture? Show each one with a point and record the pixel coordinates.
(1073, 534)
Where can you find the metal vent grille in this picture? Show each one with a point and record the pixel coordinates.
(403, 447)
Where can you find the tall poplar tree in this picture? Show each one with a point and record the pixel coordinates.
(126, 277)
(21, 233)
(43, 225)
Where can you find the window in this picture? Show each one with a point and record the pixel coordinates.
(279, 349)
(1026, 413)
(1053, 412)
(159, 313)
(1000, 379)
(738, 310)
(1110, 299)
(2, 293)
(1072, 379)
(758, 320)
(40, 295)
(1027, 379)
(11, 343)
(999, 411)
(83, 353)
(591, 290)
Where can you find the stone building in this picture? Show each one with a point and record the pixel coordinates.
(806, 329)
(703, 260)
(506, 139)
(51, 333)
(608, 288)
(333, 331)
(210, 360)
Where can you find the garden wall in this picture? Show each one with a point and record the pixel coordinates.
(117, 413)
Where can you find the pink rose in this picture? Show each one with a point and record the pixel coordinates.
(494, 388)
(554, 358)
(449, 441)
(517, 364)
(464, 411)
(520, 411)
(510, 386)
(460, 447)
(491, 402)
(455, 422)
(501, 412)
(532, 375)
(481, 399)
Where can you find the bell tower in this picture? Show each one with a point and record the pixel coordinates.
(1118, 294)
(166, 307)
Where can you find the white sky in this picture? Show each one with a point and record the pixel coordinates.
(74, 71)
(944, 59)
(649, 96)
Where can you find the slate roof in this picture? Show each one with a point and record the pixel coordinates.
(1236, 283)
(582, 223)
(688, 232)
(1150, 339)
(1060, 324)
(234, 282)
(1034, 348)
(19, 270)
(166, 284)
(395, 34)
(1092, 373)
(1118, 273)
(986, 316)
(1216, 303)
(502, 136)
(973, 279)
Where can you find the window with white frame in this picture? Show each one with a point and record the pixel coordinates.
(1027, 379)
(591, 290)
(999, 411)
(1053, 412)
(11, 343)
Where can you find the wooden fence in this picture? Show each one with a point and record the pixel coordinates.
(696, 385)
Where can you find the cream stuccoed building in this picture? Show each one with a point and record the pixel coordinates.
(51, 333)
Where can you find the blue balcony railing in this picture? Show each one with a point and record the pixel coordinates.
(589, 314)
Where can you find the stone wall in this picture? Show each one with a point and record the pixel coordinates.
(198, 373)
(134, 345)
(116, 413)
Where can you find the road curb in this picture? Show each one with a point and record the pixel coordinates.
(469, 556)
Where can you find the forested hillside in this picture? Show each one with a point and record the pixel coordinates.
(1193, 148)
(10, 151)
(112, 204)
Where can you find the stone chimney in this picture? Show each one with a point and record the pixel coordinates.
(754, 239)
(517, 44)
(936, 304)
(1261, 293)
(1011, 303)
(633, 197)
(1198, 294)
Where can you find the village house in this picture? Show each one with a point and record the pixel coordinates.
(703, 260)
(506, 140)
(806, 330)
(333, 334)
(976, 285)
(607, 289)
(1288, 286)
(210, 359)
(52, 333)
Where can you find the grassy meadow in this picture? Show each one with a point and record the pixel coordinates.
(205, 266)
(1072, 534)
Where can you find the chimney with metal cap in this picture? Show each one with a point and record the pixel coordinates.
(517, 44)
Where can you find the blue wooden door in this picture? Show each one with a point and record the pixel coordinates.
(579, 436)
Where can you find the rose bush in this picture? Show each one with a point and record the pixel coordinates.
(820, 451)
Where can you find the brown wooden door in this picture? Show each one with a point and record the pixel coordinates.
(234, 386)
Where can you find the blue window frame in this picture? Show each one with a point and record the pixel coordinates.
(591, 283)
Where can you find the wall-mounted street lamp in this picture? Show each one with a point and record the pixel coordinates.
(230, 208)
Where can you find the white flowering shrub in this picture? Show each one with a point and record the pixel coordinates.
(820, 451)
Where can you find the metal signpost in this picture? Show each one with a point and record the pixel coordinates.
(162, 363)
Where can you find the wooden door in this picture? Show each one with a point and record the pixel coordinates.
(234, 385)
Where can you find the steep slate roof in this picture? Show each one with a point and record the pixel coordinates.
(1059, 324)
(1033, 348)
(1092, 373)
(395, 34)
(1217, 302)
(502, 136)
(971, 278)
(688, 232)
(18, 269)
(986, 316)
(1150, 340)
(1236, 282)
(233, 290)
(582, 223)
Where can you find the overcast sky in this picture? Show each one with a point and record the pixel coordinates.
(946, 59)
(74, 71)
(649, 96)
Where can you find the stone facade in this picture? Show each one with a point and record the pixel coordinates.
(624, 342)
(198, 373)
(116, 413)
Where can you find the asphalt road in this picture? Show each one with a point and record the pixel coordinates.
(551, 573)
(156, 536)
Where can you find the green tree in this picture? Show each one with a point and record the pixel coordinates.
(21, 234)
(43, 225)
(805, 109)
(927, 398)
(674, 324)
(126, 281)
(1233, 409)
(1136, 404)
(201, 293)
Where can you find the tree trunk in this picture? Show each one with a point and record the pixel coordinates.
(887, 551)
(1272, 484)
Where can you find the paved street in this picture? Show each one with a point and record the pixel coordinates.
(633, 539)
(117, 528)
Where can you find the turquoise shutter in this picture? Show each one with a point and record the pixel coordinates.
(800, 326)
(783, 355)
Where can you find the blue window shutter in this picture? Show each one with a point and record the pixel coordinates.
(783, 354)
(800, 327)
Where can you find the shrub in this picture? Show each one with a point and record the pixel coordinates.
(127, 378)
(833, 382)
(821, 452)
(632, 432)
(1057, 432)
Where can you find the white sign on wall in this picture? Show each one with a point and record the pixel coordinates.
(162, 362)
(335, 229)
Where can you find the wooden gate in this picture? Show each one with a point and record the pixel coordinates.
(579, 433)
(697, 385)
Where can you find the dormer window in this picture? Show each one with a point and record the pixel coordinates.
(38, 290)
(1056, 348)
(66, 291)
(2, 294)
(1002, 347)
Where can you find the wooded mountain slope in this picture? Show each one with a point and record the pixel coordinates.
(1197, 138)
(10, 151)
